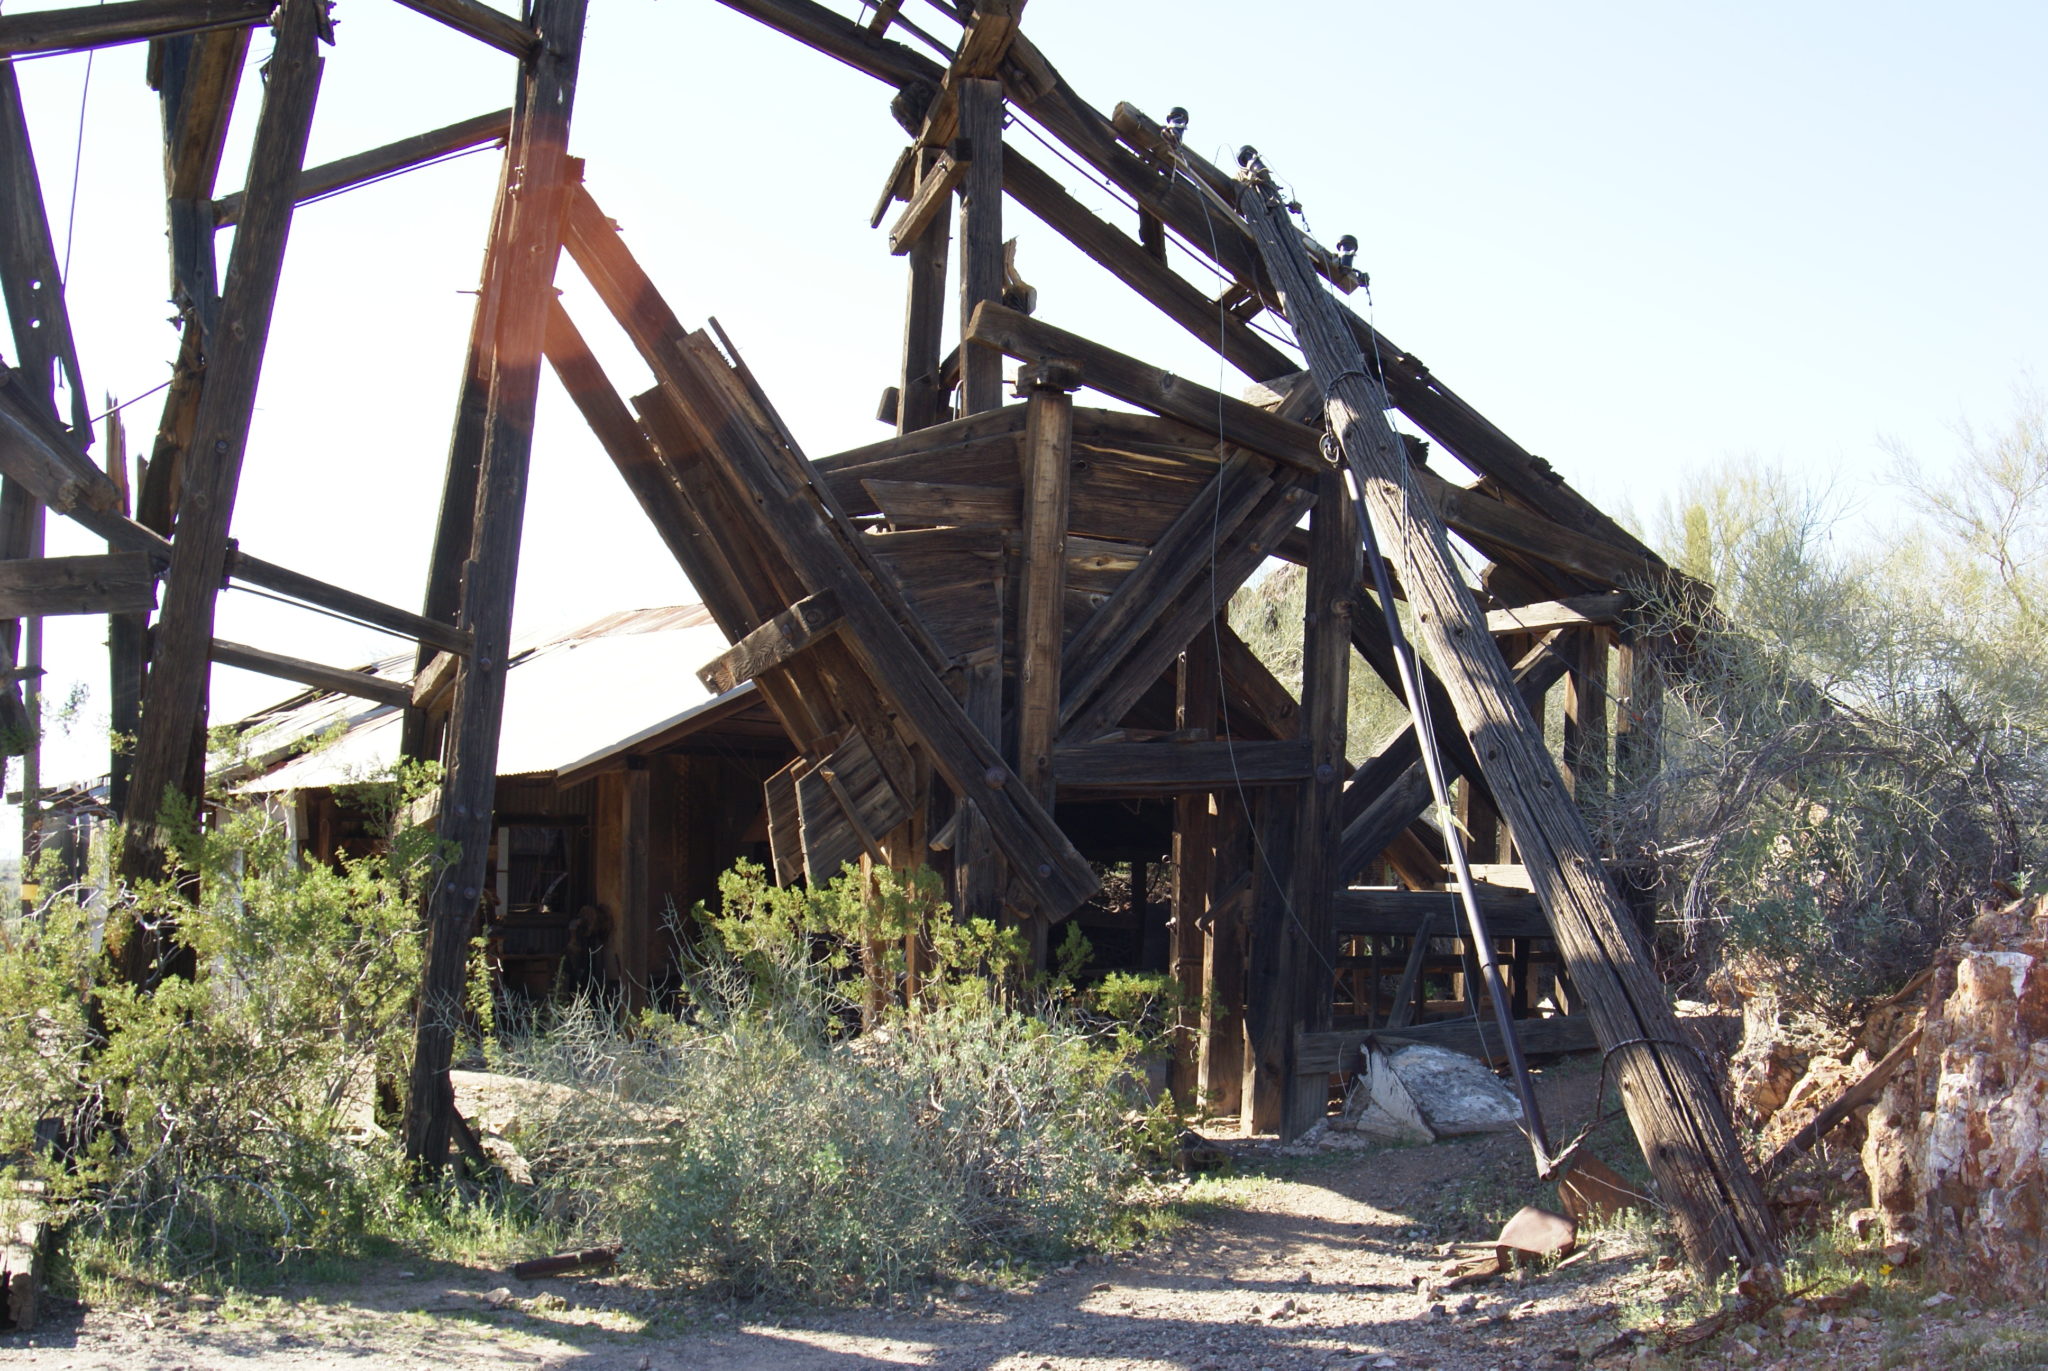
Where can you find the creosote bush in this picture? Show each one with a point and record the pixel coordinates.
(756, 1141)
(211, 1126)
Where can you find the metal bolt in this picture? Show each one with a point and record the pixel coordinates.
(1045, 868)
(469, 892)
(220, 445)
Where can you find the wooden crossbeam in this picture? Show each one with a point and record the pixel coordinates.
(44, 459)
(479, 21)
(1579, 611)
(109, 583)
(130, 21)
(284, 581)
(774, 644)
(1364, 911)
(1148, 387)
(357, 683)
(1325, 1054)
(837, 36)
(927, 203)
(329, 177)
(1174, 768)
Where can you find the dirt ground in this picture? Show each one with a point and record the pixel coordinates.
(1326, 1260)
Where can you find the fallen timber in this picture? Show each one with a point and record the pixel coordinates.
(1008, 616)
(1671, 1099)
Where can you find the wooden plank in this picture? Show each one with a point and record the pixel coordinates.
(1323, 1053)
(1671, 1098)
(1130, 262)
(1366, 911)
(1041, 605)
(771, 646)
(1173, 768)
(377, 163)
(1251, 688)
(270, 576)
(128, 21)
(836, 36)
(1481, 517)
(523, 282)
(981, 239)
(173, 713)
(1575, 612)
(433, 683)
(1021, 336)
(927, 203)
(44, 458)
(920, 397)
(495, 27)
(110, 583)
(357, 683)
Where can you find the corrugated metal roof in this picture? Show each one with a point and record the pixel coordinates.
(567, 696)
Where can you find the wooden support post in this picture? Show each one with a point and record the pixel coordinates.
(524, 288)
(1332, 582)
(920, 401)
(1226, 958)
(621, 886)
(1585, 715)
(1671, 1098)
(1274, 952)
(168, 749)
(1198, 693)
(1639, 747)
(981, 237)
(1041, 608)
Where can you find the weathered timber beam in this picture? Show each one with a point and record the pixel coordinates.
(299, 586)
(1176, 768)
(1328, 1053)
(1252, 687)
(1579, 611)
(101, 26)
(166, 758)
(1048, 462)
(433, 683)
(1484, 518)
(772, 646)
(836, 36)
(1364, 911)
(405, 153)
(480, 22)
(927, 203)
(358, 683)
(1148, 387)
(526, 245)
(110, 583)
(1671, 1099)
(35, 452)
(1126, 259)
(981, 236)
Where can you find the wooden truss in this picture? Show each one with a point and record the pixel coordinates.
(1013, 605)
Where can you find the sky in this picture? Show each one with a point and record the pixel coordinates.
(1644, 239)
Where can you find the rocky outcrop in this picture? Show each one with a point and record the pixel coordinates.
(1956, 1148)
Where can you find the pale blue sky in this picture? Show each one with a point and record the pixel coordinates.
(1641, 238)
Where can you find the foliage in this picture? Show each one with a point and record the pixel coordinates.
(1268, 615)
(1856, 739)
(216, 1123)
(773, 1151)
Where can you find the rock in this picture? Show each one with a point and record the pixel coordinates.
(499, 1298)
(1957, 1146)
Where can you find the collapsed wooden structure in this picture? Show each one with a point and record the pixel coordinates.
(1005, 610)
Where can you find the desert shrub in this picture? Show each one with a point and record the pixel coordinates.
(1855, 737)
(210, 1126)
(756, 1141)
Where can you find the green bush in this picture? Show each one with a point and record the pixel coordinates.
(753, 1141)
(212, 1126)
